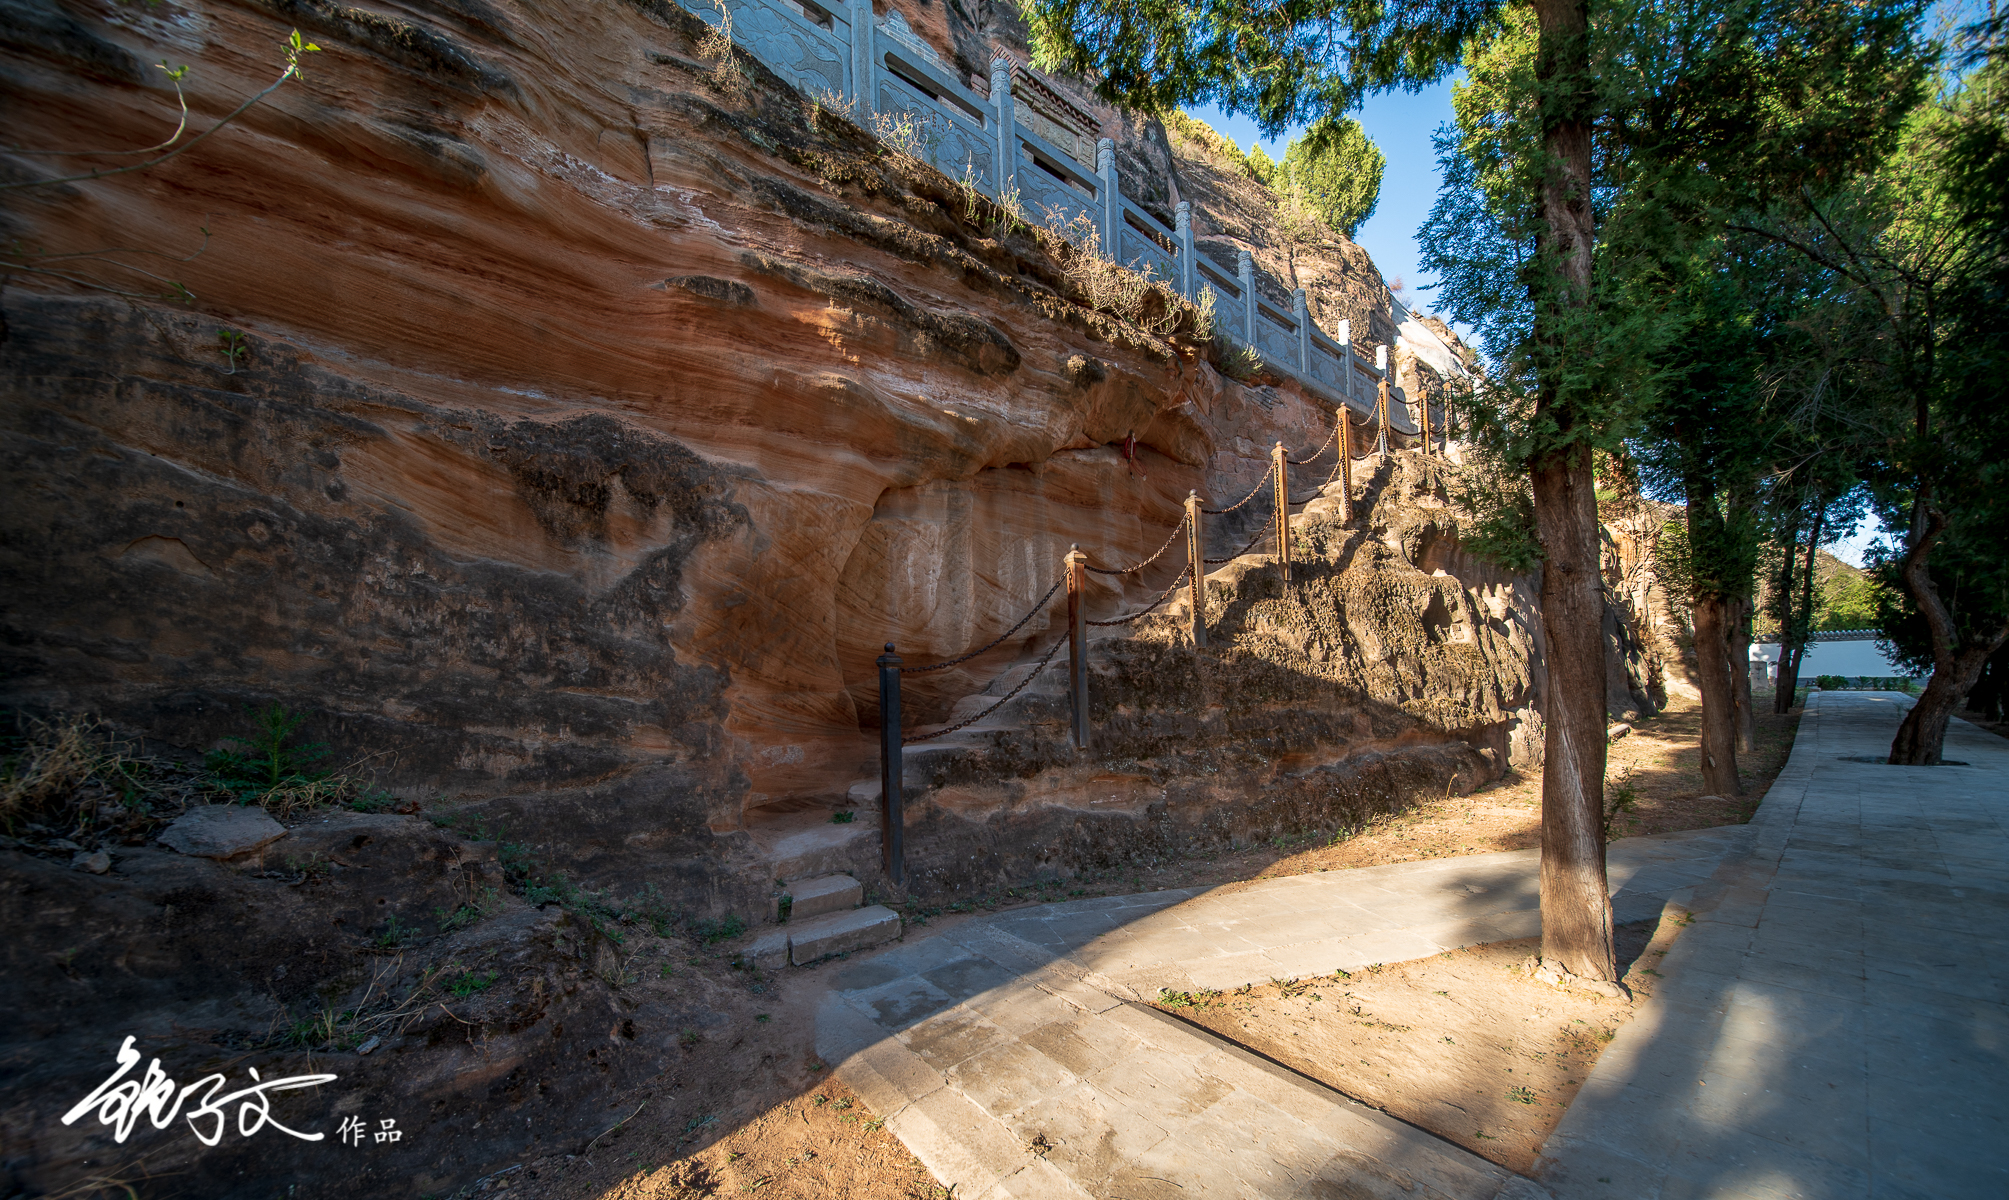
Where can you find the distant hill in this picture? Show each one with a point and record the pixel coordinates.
(1844, 597)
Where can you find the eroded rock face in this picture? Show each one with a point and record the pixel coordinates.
(589, 436)
(1391, 665)
(580, 436)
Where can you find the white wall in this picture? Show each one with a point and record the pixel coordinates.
(1837, 658)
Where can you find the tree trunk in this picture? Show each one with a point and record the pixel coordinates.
(1712, 675)
(1793, 640)
(1782, 695)
(1740, 672)
(1922, 736)
(1576, 904)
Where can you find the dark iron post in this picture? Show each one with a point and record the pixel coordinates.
(1280, 470)
(1077, 642)
(892, 825)
(1196, 567)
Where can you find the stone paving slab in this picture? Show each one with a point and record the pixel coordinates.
(1836, 1023)
(1012, 1056)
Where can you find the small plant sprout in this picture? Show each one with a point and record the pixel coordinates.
(233, 348)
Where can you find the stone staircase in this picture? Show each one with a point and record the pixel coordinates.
(826, 915)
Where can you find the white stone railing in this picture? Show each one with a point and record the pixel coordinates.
(876, 67)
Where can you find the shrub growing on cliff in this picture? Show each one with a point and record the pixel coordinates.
(268, 768)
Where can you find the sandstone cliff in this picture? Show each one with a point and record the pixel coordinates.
(564, 425)
(593, 425)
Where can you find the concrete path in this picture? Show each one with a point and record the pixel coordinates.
(1011, 1056)
(1836, 1022)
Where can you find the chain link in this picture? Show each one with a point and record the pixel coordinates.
(995, 642)
(1146, 610)
(1176, 531)
(1260, 535)
(1260, 484)
(1321, 487)
(1298, 462)
(959, 726)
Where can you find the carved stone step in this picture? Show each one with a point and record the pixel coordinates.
(824, 894)
(820, 937)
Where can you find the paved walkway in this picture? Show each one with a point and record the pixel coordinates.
(1833, 1025)
(1836, 1022)
(1011, 1055)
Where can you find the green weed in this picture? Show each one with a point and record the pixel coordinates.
(467, 983)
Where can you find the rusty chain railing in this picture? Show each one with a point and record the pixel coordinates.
(1075, 579)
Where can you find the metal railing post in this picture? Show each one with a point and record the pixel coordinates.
(892, 822)
(1077, 642)
(1196, 567)
(1381, 404)
(1345, 440)
(1280, 471)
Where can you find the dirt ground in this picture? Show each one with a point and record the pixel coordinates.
(743, 1115)
(1660, 760)
(824, 1143)
(749, 1111)
(1465, 1044)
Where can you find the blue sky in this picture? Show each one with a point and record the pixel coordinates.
(1401, 124)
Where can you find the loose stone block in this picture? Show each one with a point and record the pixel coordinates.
(222, 831)
(769, 952)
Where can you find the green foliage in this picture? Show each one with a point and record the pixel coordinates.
(1830, 683)
(1338, 171)
(1262, 168)
(1848, 600)
(233, 348)
(1283, 64)
(484, 904)
(1503, 531)
(267, 762)
(467, 983)
(1917, 251)
(713, 932)
(843, 816)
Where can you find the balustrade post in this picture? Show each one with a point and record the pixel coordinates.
(863, 77)
(1182, 224)
(1347, 387)
(1112, 199)
(1280, 475)
(1196, 567)
(1299, 313)
(1077, 642)
(1245, 270)
(892, 820)
(1345, 440)
(1005, 168)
